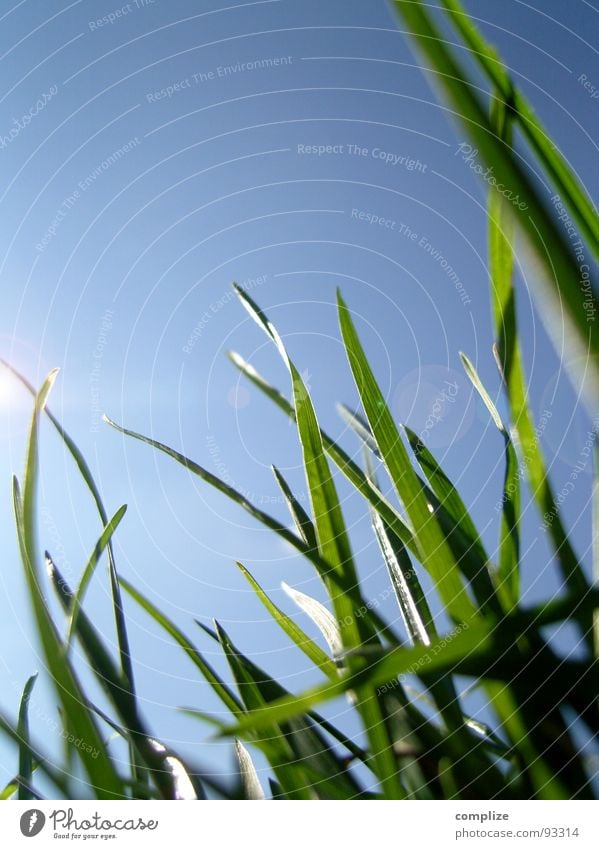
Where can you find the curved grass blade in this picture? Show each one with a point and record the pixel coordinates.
(80, 462)
(556, 273)
(249, 776)
(508, 574)
(25, 758)
(563, 178)
(89, 571)
(322, 618)
(335, 550)
(434, 551)
(293, 631)
(100, 769)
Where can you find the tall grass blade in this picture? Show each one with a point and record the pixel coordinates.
(334, 548)
(100, 769)
(562, 176)
(508, 574)
(434, 552)
(25, 758)
(556, 273)
(88, 478)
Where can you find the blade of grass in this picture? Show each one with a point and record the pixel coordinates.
(562, 176)
(25, 758)
(303, 522)
(249, 776)
(334, 548)
(459, 530)
(434, 552)
(343, 461)
(89, 571)
(293, 631)
(556, 273)
(114, 685)
(329, 777)
(322, 618)
(80, 462)
(42, 761)
(99, 769)
(508, 574)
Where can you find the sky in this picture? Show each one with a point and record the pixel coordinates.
(154, 152)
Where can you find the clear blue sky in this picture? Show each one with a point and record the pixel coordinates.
(154, 152)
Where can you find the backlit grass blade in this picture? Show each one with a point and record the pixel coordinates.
(88, 478)
(562, 176)
(321, 616)
(303, 522)
(508, 574)
(25, 758)
(434, 551)
(89, 571)
(249, 777)
(293, 631)
(334, 548)
(99, 769)
(556, 274)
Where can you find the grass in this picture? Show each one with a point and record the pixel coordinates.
(419, 741)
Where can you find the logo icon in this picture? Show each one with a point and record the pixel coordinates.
(32, 822)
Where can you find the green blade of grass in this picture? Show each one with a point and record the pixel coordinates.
(562, 176)
(556, 272)
(25, 758)
(84, 470)
(342, 460)
(9, 790)
(99, 769)
(434, 552)
(335, 550)
(42, 761)
(451, 513)
(509, 359)
(89, 571)
(508, 574)
(249, 777)
(293, 631)
(303, 522)
(115, 686)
